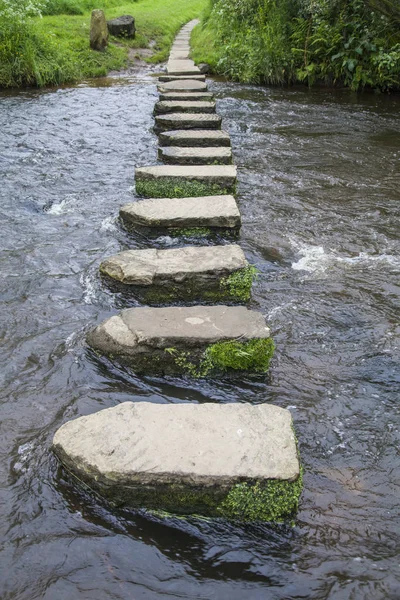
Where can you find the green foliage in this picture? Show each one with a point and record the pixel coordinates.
(238, 284)
(179, 188)
(191, 231)
(350, 42)
(78, 7)
(55, 49)
(273, 501)
(254, 356)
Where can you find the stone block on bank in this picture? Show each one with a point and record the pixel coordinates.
(123, 26)
(98, 30)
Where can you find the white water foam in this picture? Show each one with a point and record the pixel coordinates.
(109, 224)
(62, 207)
(315, 260)
(89, 283)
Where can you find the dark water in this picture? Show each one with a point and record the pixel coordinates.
(319, 192)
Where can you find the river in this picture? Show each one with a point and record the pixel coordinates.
(319, 195)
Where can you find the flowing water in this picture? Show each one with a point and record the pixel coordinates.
(319, 192)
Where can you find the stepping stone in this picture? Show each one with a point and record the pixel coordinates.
(189, 96)
(183, 85)
(182, 67)
(174, 155)
(164, 107)
(208, 211)
(194, 340)
(194, 138)
(230, 460)
(187, 121)
(167, 181)
(169, 78)
(181, 53)
(192, 273)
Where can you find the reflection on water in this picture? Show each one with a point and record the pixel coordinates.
(319, 180)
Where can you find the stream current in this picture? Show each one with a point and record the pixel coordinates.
(319, 194)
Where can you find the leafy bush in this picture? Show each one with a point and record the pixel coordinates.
(351, 42)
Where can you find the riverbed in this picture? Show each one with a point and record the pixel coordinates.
(319, 181)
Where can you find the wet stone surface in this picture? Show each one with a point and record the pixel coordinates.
(208, 211)
(129, 452)
(192, 272)
(193, 138)
(195, 156)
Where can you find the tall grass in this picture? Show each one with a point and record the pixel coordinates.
(350, 42)
(55, 49)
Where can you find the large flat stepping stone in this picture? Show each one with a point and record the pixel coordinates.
(193, 340)
(187, 97)
(192, 273)
(180, 78)
(170, 106)
(187, 121)
(182, 213)
(183, 85)
(174, 155)
(182, 67)
(194, 138)
(233, 460)
(180, 53)
(170, 181)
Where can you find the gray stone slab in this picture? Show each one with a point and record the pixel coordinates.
(187, 121)
(187, 97)
(180, 54)
(175, 181)
(192, 273)
(222, 174)
(175, 155)
(134, 452)
(186, 340)
(182, 67)
(194, 138)
(193, 106)
(169, 78)
(207, 211)
(183, 85)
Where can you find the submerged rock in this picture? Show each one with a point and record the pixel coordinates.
(232, 460)
(98, 30)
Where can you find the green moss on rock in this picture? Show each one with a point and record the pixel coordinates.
(274, 500)
(192, 231)
(254, 355)
(238, 284)
(180, 188)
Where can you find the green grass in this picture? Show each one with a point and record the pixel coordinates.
(55, 49)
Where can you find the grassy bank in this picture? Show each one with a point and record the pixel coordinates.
(54, 49)
(355, 43)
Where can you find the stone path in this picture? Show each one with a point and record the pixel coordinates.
(232, 460)
(209, 211)
(195, 156)
(183, 457)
